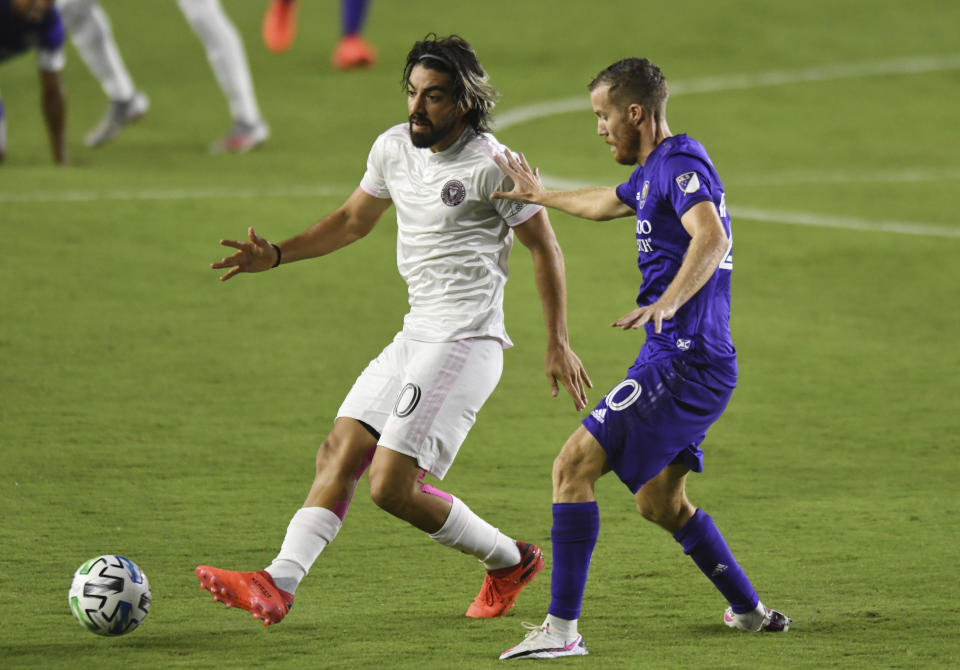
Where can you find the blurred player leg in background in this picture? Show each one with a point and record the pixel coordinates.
(280, 24)
(352, 51)
(228, 59)
(92, 35)
(36, 25)
(3, 132)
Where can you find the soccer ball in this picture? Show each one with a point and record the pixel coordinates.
(110, 595)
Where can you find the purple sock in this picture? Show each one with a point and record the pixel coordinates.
(352, 15)
(575, 530)
(703, 543)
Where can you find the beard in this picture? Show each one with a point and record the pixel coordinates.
(627, 146)
(432, 136)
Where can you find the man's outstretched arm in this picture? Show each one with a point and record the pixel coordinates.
(350, 222)
(598, 203)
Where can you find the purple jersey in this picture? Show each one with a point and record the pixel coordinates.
(17, 35)
(677, 175)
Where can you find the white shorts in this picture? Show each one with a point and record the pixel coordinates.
(423, 397)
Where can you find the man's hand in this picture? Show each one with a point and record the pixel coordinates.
(657, 312)
(564, 367)
(526, 182)
(256, 255)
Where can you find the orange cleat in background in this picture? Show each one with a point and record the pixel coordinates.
(280, 24)
(353, 52)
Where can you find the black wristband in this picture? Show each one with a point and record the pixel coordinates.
(279, 255)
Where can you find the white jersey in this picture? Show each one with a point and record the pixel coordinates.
(453, 239)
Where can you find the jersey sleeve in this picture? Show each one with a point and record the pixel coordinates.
(627, 194)
(688, 181)
(511, 211)
(374, 180)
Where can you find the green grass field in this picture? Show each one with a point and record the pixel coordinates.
(149, 410)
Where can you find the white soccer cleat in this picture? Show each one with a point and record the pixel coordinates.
(118, 115)
(541, 643)
(242, 138)
(761, 620)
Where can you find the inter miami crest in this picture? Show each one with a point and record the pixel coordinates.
(453, 193)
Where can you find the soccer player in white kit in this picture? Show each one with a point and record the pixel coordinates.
(412, 407)
(92, 35)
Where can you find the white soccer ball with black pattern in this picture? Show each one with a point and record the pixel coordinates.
(110, 595)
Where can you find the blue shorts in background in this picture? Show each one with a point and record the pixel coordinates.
(658, 415)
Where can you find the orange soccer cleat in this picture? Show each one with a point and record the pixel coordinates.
(501, 587)
(280, 24)
(252, 591)
(353, 52)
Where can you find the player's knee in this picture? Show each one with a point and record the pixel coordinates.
(668, 514)
(386, 495)
(650, 510)
(335, 458)
(569, 480)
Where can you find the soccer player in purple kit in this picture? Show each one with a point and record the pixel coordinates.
(648, 428)
(36, 24)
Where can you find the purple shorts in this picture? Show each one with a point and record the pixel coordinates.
(658, 415)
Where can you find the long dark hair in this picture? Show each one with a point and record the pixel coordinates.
(471, 87)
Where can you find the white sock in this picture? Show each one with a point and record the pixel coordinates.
(92, 35)
(467, 532)
(310, 530)
(565, 628)
(754, 619)
(226, 55)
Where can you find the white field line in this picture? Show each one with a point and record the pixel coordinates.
(808, 219)
(810, 178)
(737, 82)
(827, 177)
(847, 223)
(176, 194)
(564, 105)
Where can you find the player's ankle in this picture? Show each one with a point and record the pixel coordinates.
(565, 628)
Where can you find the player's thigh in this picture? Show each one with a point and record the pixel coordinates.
(345, 447)
(372, 397)
(444, 386)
